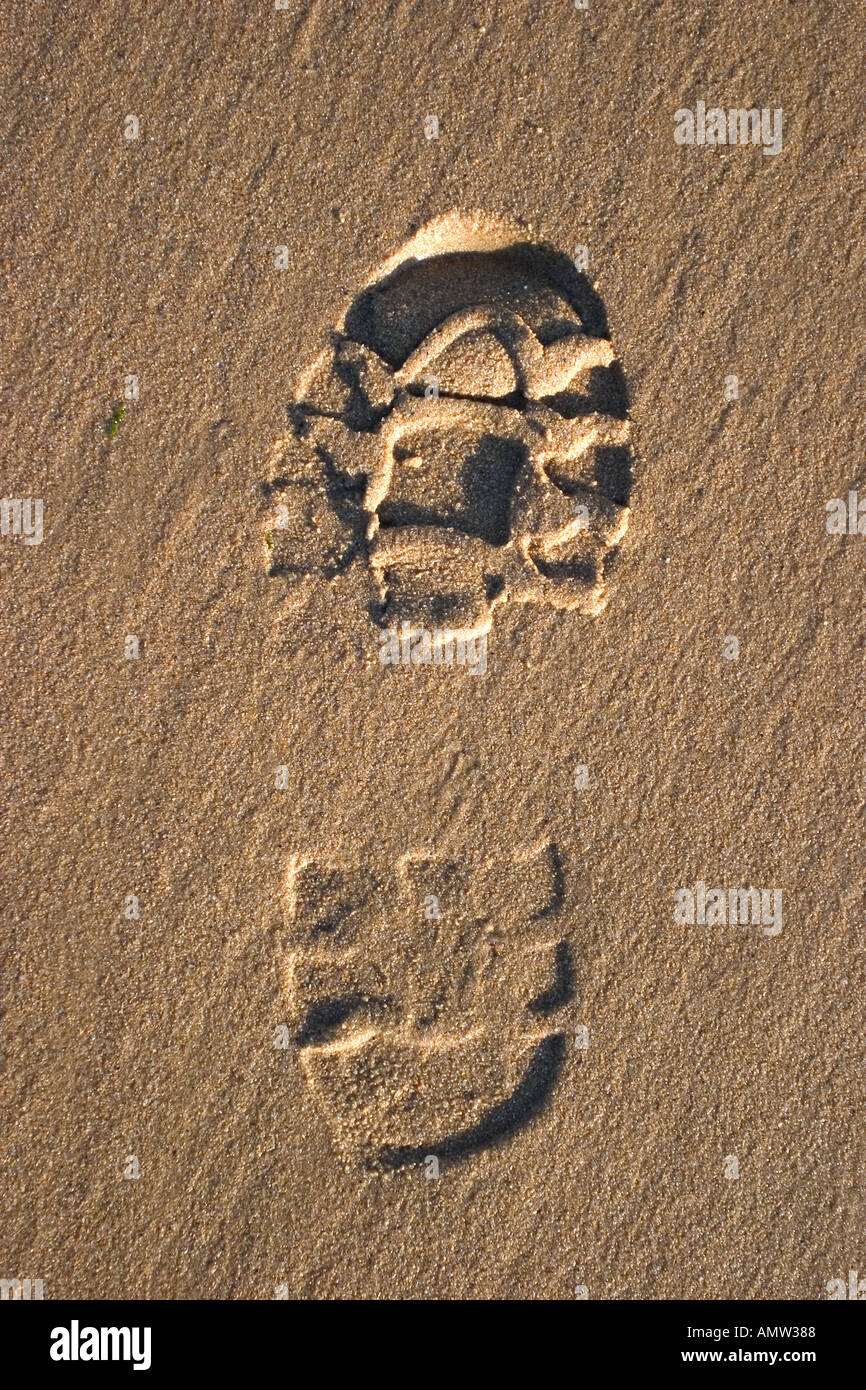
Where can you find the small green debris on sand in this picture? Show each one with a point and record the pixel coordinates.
(113, 425)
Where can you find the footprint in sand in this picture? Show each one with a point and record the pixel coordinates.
(423, 999)
(462, 443)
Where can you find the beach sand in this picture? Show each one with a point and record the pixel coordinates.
(284, 922)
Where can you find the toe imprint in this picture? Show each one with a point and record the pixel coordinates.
(468, 419)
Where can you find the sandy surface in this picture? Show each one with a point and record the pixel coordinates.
(156, 1036)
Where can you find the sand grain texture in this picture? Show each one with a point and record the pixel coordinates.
(154, 1036)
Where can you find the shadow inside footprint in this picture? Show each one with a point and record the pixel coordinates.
(513, 1114)
(396, 313)
(325, 1017)
(473, 498)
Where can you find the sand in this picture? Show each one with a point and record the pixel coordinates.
(345, 977)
